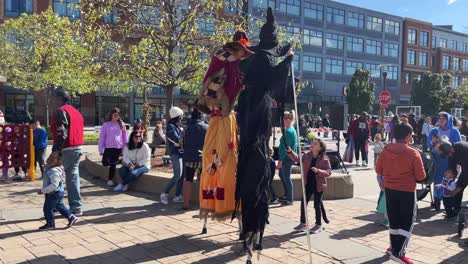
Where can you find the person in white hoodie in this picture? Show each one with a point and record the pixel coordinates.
(136, 161)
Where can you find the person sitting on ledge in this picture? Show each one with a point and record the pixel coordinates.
(136, 161)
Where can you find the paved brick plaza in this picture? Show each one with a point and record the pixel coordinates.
(136, 228)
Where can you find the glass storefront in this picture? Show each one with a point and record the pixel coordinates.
(19, 108)
(104, 104)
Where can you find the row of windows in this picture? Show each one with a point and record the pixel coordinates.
(452, 44)
(332, 15)
(353, 44)
(453, 63)
(423, 58)
(337, 66)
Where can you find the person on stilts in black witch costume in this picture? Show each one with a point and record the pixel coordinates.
(264, 79)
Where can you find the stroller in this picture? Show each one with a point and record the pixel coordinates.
(429, 167)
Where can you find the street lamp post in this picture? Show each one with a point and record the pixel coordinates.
(382, 108)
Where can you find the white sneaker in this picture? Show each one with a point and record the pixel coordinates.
(316, 229)
(110, 183)
(119, 188)
(364, 163)
(357, 163)
(178, 199)
(164, 198)
(125, 188)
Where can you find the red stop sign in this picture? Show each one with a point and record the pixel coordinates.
(385, 98)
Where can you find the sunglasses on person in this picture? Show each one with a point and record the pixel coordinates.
(137, 136)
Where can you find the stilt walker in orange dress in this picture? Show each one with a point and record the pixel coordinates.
(221, 86)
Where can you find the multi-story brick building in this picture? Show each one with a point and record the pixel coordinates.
(429, 48)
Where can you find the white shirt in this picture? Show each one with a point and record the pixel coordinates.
(141, 156)
(426, 129)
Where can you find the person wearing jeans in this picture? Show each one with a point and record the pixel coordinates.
(360, 131)
(67, 129)
(136, 161)
(40, 145)
(288, 143)
(174, 139)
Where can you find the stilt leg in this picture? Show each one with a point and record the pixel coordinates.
(204, 230)
(239, 221)
(249, 251)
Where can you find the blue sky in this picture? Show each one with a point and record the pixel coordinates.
(438, 12)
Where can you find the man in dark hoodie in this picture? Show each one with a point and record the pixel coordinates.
(401, 167)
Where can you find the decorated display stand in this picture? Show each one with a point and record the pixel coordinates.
(17, 149)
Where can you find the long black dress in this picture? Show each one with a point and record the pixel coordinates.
(264, 79)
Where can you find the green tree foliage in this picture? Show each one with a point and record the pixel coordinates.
(432, 92)
(42, 51)
(163, 44)
(361, 92)
(456, 98)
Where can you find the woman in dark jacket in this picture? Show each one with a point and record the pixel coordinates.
(174, 139)
(194, 139)
(316, 169)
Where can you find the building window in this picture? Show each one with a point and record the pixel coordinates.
(411, 57)
(14, 8)
(443, 43)
(292, 7)
(355, 20)
(335, 15)
(293, 32)
(68, 8)
(391, 50)
(373, 47)
(455, 81)
(463, 47)
(456, 64)
(334, 66)
(335, 41)
(312, 64)
(111, 16)
(434, 42)
(313, 11)
(465, 65)
(412, 36)
(374, 23)
(407, 78)
(15, 103)
(424, 39)
(351, 67)
(206, 24)
(355, 44)
(392, 27)
(446, 62)
(423, 59)
(296, 62)
(452, 45)
(265, 3)
(373, 69)
(312, 38)
(392, 72)
(232, 6)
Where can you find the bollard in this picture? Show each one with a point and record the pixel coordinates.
(32, 161)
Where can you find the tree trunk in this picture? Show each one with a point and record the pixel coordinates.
(146, 114)
(169, 100)
(47, 101)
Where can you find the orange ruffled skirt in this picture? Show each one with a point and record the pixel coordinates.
(218, 183)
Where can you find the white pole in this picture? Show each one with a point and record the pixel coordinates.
(300, 163)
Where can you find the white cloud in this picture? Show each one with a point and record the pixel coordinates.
(451, 2)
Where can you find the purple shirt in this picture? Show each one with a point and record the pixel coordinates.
(112, 136)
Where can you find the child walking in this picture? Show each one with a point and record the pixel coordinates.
(378, 147)
(53, 181)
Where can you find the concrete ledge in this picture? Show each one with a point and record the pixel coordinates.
(340, 186)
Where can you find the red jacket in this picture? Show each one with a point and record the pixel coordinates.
(323, 166)
(355, 131)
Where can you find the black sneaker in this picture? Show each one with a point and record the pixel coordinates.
(72, 220)
(284, 198)
(287, 203)
(274, 201)
(47, 227)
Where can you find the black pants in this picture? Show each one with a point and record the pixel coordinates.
(17, 170)
(110, 158)
(401, 210)
(449, 205)
(360, 146)
(190, 173)
(454, 203)
(311, 189)
(40, 157)
(273, 195)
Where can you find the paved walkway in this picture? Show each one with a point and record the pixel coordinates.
(136, 228)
